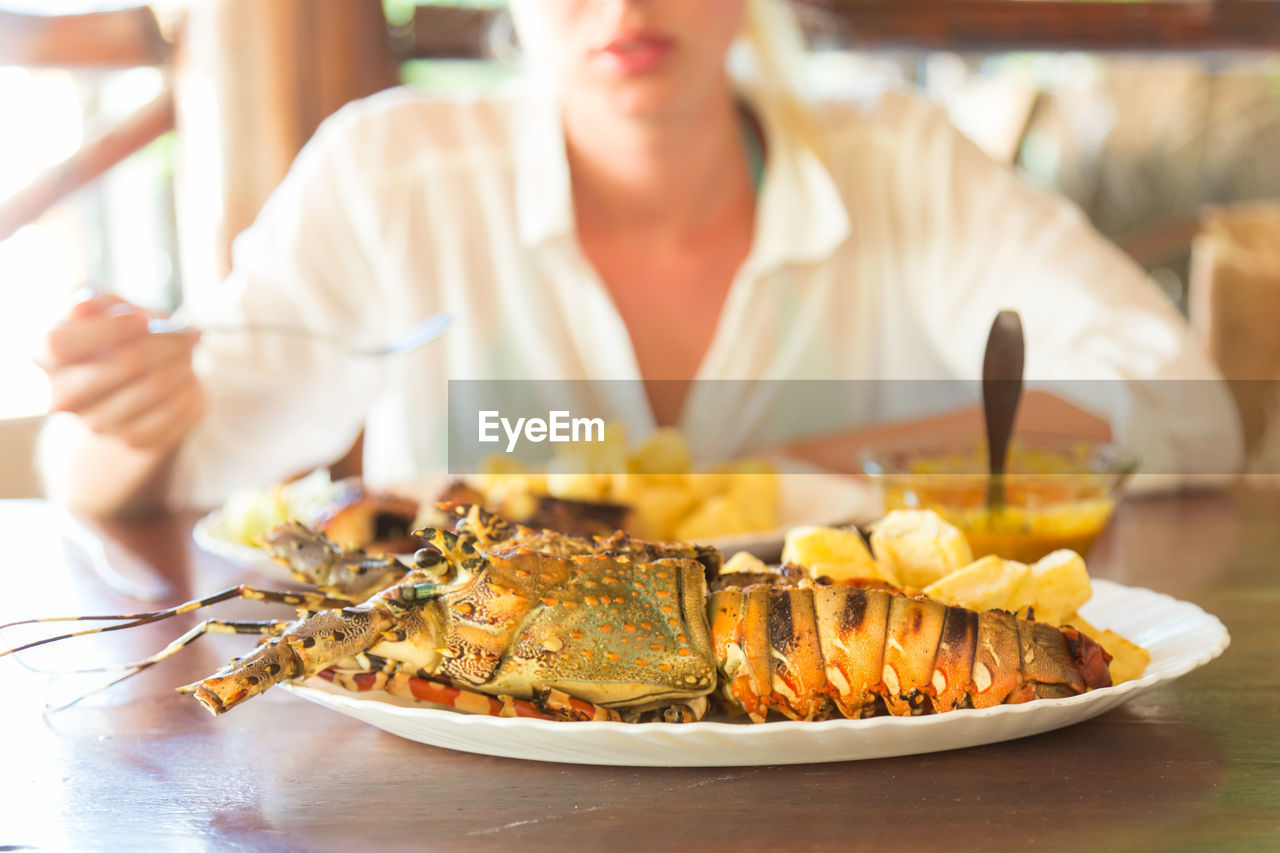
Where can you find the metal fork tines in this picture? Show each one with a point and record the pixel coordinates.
(409, 340)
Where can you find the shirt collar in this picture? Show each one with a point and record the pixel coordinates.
(544, 200)
(800, 216)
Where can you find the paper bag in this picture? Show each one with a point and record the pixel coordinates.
(1235, 309)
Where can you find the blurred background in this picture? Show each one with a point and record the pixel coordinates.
(139, 139)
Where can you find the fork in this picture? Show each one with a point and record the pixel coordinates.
(412, 338)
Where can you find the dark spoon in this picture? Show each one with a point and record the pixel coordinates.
(1001, 392)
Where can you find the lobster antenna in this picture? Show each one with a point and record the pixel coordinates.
(301, 600)
(271, 627)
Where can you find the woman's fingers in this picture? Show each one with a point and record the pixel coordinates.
(150, 390)
(104, 366)
(166, 423)
(78, 386)
(85, 338)
(90, 302)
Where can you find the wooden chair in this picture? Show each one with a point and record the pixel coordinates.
(17, 457)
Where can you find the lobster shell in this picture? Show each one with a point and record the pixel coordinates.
(813, 651)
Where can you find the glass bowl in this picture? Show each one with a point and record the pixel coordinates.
(1059, 492)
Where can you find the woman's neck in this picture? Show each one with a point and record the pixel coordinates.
(657, 179)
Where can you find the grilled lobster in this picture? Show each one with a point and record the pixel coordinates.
(801, 651)
(498, 618)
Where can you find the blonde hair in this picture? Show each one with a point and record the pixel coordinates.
(775, 50)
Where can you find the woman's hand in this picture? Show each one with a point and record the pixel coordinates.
(120, 380)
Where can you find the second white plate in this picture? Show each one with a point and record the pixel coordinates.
(807, 497)
(211, 535)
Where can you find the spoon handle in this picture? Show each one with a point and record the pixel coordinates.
(1001, 392)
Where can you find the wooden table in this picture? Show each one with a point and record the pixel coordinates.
(1195, 763)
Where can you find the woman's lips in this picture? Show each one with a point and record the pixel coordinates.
(635, 54)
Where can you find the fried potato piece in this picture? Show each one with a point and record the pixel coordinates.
(807, 545)
(990, 583)
(919, 546)
(854, 571)
(658, 509)
(1061, 586)
(500, 465)
(575, 485)
(830, 546)
(583, 471)
(708, 484)
(753, 485)
(1075, 620)
(1128, 659)
(717, 516)
(668, 499)
(744, 561)
(249, 514)
(665, 451)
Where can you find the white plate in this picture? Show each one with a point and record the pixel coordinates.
(210, 535)
(806, 498)
(1179, 635)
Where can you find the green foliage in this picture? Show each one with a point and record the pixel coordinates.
(163, 152)
(400, 12)
(454, 76)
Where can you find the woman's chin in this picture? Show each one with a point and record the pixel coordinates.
(648, 99)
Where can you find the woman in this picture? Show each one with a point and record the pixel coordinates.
(642, 217)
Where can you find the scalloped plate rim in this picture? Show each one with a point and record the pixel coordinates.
(354, 705)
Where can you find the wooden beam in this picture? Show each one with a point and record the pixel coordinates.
(131, 37)
(959, 25)
(123, 38)
(254, 80)
(439, 32)
(996, 25)
(128, 137)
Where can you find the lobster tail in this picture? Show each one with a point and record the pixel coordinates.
(851, 630)
(953, 665)
(1093, 661)
(808, 652)
(911, 645)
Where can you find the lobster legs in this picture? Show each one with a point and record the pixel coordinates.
(547, 704)
(403, 617)
(394, 678)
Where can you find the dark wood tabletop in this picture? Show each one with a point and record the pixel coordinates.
(1192, 764)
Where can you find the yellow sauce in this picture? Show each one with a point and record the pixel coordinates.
(1040, 515)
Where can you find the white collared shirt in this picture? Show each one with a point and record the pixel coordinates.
(886, 258)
